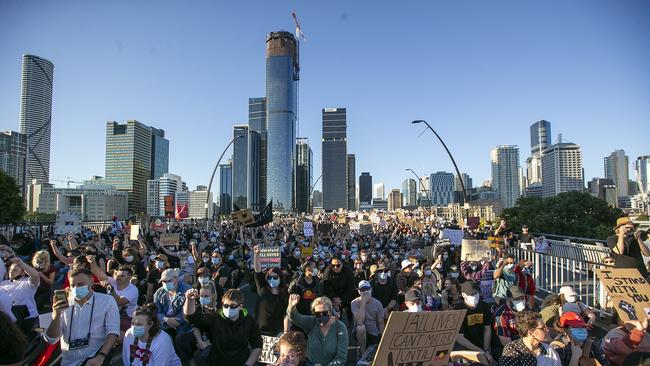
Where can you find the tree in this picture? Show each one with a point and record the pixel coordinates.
(12, 207)
(571, 214)
(39, 217)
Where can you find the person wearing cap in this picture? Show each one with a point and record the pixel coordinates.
(475, 334)
(627, 247)
(413, 301)
(570, 302)
(160, 264)
(530, 349)
(368, 315)
(384, 288)
(619, 343)
(505, 325)
(169, 300)
(572, 342)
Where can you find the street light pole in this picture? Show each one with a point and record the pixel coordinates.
(311, 192)
(207, 198)
(462, 184)
(421, 185)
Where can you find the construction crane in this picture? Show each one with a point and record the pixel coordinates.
(68, 181)
(299, 33)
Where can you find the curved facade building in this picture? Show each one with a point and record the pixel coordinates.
(282, 74)
(36, 114)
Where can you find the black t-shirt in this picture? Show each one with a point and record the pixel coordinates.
(384, 293)
(475, 321)
(631, 257)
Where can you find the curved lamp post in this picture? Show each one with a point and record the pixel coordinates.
(207, 198)
(421, 185)
(311, 193)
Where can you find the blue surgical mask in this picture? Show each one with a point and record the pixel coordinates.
(509, 267)
(383, 275)
(216, 261)
(169, 286)
(138, 330)
(80, 292)
(204, 280)
(579, 334)
(274, 282)
(160, 264)
(205, 300)
(230, 313)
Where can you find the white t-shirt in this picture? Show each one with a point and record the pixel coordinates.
(549, 358)
(21, 292)
(161, 351)
(5, 307)
(130, 293)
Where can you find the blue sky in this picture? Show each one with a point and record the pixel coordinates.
(479, 71)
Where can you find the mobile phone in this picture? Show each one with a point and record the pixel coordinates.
(60, 295)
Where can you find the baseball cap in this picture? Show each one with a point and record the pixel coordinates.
(202, 271)
(364, 285)
(470, 288)
(168, 274)
(572, 319)
(412, 295)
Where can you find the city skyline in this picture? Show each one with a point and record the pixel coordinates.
(578, 121)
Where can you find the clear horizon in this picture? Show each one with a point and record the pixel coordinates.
(480, 73)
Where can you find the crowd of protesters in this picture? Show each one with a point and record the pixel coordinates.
(183, 304)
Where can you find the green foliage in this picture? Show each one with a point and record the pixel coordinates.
(571, 214)
(12, 207)
(39, 217)
(643, 217)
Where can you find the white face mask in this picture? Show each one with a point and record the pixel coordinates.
(572, 298)
(519, 305)
(472, 300)
(414, 308)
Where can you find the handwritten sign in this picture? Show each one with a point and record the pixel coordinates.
(629, 291)
(423, 339)
(67, 223)
(243, 217)
(475, 250)
(269, 257)
(268, 350)
(486, 287)
(308, 228)
(454, 236)
(135, 232)
(170, 240)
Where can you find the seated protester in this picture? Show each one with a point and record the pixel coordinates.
(80, 262)
(129, 257)
(235, 269)
(338, 285)
(505, 276)
(186, 263)
(526, 282)
(204, 278)
(144, 343)
(384, 289)
(122, 290)
(292, 350)
(87, 323)
(413, 301)
(368, 315)
(570, 303)
(272, 298)
(624, 340)
(161, 264)
(209, 304)
(572, 343)
(550, 309)
(47, 272)
(450, 295)
(326, 335)
(169, 299)
(530, 349)
(474, 270)
(20, 288)
(308, 286)
(221, 273)
(234, 335)
(505, 324)
(432, 301)
(360, 273)
(294, 261)
(14, 343)
(205, 259)
(476, 332)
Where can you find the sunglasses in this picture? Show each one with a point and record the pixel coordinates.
(230, 306)
(382, 271)
(273, 278)
(336, 266)
(321, 313)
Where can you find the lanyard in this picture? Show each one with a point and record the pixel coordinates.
(135, 348)
(90, 323)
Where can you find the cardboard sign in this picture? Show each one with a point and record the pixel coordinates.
(135, 232)
(342, 220)
(454, 236)
(496, 242)
(243, 217)
(486, 287)
(170, 240)
(269, 257)
(473, 222)
(423, 339)
(67, 223)
(629, 291)
(268, 350)
(308, 228)
(475, 250)
(342, 232)
(325, 228)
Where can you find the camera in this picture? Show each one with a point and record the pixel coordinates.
(78, 343)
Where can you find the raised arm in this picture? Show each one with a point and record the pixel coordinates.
(58, 254)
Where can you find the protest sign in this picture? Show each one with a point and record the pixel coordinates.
(342, 220)
(455, 236)
(355, 225)
(170, 240)
(443, 241)
(268, 352)
(427, 251)
(325, 228)
(342, 232)
(243, 217)
(365, 229)
(496, 242)
(487, 281)
(269, 257)
(629, 292)
(475, 250)
(308, 228)
(473, 222)
(135, 232)
(67, 223)
(423, 339)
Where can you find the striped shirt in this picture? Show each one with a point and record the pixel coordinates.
(105, 320)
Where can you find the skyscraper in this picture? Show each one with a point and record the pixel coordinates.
(505, 173)
(335, 186)
(197, 199)
(442, 188)
(166, 186)
(352, 186)
(225, 188)
(36, 114)
(128, 161)
(642, 168)
(561, 169)
(410, 192)
(159, 153)
(282, 75)
(365, 189)
(540, 139)
(304, 169)
(617, 169)
(240, 167)
(394, 199)
(257, 174)
(13, 157)
(380, 191)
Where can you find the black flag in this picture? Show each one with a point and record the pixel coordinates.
(264, 217)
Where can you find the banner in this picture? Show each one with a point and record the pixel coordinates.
(455, 236)
(629, 292)
(486, 287)
(423, 339)
(268, 350)
(67, 223)
(308, 228)
(169, 206)
(475, 250)
(170, 240)
(269, 257)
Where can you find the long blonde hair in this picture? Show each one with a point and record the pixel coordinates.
(43, 256)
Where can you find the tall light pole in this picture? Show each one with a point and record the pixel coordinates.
(207, 198)
(421, 185)
(311, 192)
(462, 184)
